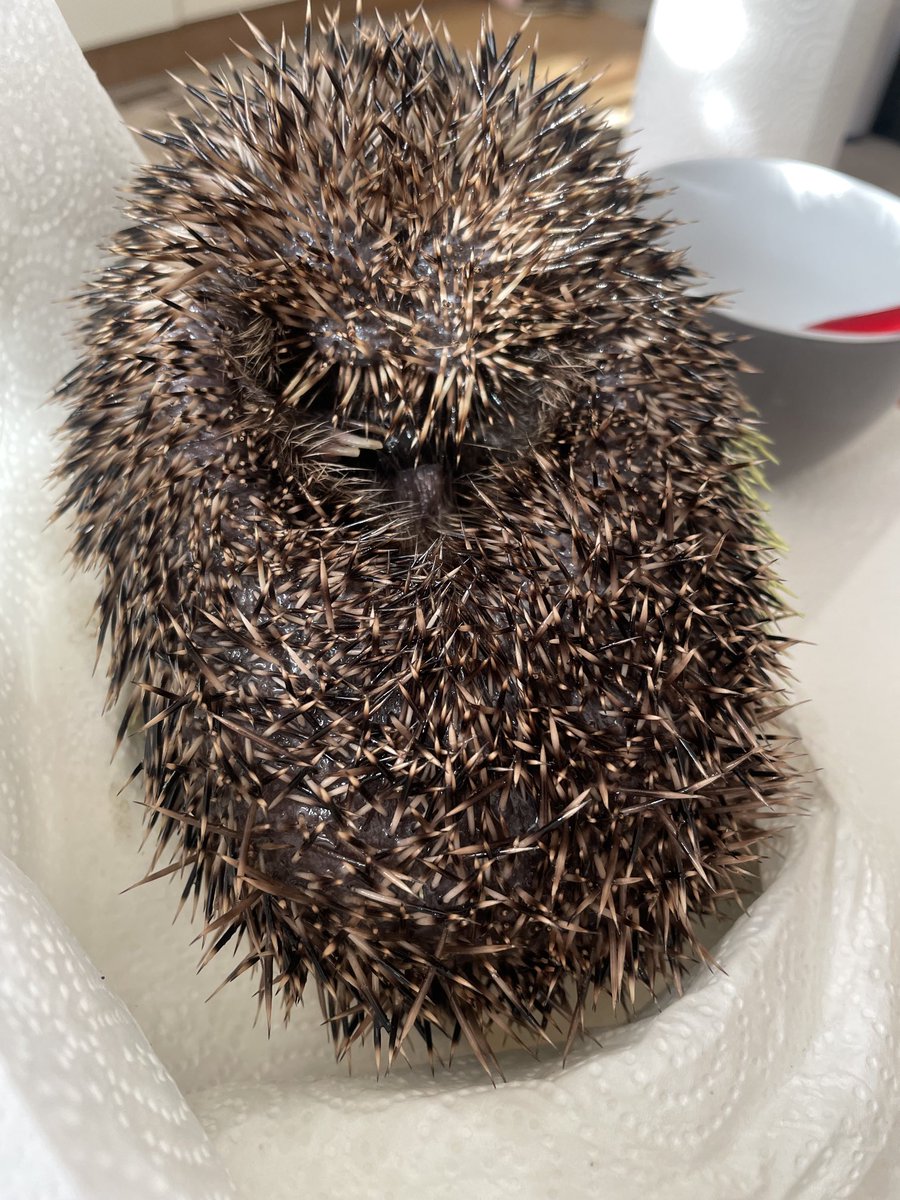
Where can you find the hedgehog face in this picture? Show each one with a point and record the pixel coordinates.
(432, 274)
(421, 495)
(429, 348)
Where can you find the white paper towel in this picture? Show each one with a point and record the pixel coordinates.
(752, 77)
(774, 1082)
(87, 1111)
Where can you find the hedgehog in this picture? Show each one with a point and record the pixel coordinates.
(433, 573)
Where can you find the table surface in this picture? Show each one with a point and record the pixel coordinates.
(841, 522)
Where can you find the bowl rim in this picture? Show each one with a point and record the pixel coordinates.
(729, 310)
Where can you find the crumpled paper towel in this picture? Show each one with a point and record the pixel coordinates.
(773, 1082)
(777, 78)
(87, 1111)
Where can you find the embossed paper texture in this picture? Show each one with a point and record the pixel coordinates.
(752, 77)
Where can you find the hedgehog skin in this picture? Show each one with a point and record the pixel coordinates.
(422, 498)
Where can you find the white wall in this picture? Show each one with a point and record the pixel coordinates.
(196, 10)
(101, 22)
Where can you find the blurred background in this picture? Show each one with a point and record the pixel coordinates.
(132, 43)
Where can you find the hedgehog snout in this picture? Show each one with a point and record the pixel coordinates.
(426, 487)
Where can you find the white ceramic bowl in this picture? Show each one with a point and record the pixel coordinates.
(793, 244)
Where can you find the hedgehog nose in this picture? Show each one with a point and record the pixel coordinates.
(426, 487)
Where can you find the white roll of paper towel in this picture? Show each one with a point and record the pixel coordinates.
(773, 1081)
(752, 77)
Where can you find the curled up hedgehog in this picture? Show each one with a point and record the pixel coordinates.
(432, 570)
